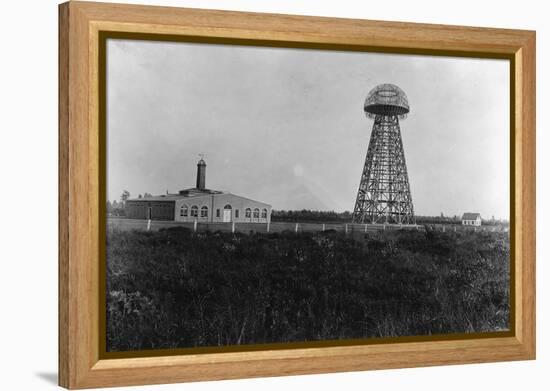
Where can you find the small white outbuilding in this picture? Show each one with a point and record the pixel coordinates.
(473, 219)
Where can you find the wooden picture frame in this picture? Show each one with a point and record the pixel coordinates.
(81, 167)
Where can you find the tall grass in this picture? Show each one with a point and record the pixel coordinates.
(175, 288)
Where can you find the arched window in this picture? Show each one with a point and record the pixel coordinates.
(204, 211)
(264, 213)
(184, 210)
(194, 211)
(256, 213)
(227, 206)
(248, 213)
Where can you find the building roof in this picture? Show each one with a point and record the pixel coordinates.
(167, 197)
(249, 199)
(187, 193)
(470, 216)
(191, 194)
(195, 191)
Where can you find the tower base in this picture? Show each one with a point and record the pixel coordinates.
(384, 194)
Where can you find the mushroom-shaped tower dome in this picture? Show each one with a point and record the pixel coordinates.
(386, 99)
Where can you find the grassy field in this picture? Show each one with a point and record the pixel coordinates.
(175, 288)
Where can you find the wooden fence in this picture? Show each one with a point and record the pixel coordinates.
(124, 224)
(154, 225)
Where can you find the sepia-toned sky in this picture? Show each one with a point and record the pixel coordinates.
(287, 127)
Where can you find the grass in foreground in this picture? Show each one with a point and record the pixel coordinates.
(175, 288)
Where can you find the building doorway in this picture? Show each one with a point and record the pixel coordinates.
(227, 213)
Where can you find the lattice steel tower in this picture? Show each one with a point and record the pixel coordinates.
(384, 194)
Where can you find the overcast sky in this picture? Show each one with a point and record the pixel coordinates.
(287, 127)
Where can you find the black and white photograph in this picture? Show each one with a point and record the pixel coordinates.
(269, 195)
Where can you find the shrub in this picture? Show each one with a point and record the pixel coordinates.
(174, 288)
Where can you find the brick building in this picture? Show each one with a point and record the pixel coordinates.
(199, 204)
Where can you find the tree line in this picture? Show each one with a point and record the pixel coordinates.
(116, 208)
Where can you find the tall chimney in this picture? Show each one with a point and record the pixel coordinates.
(201, 175)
